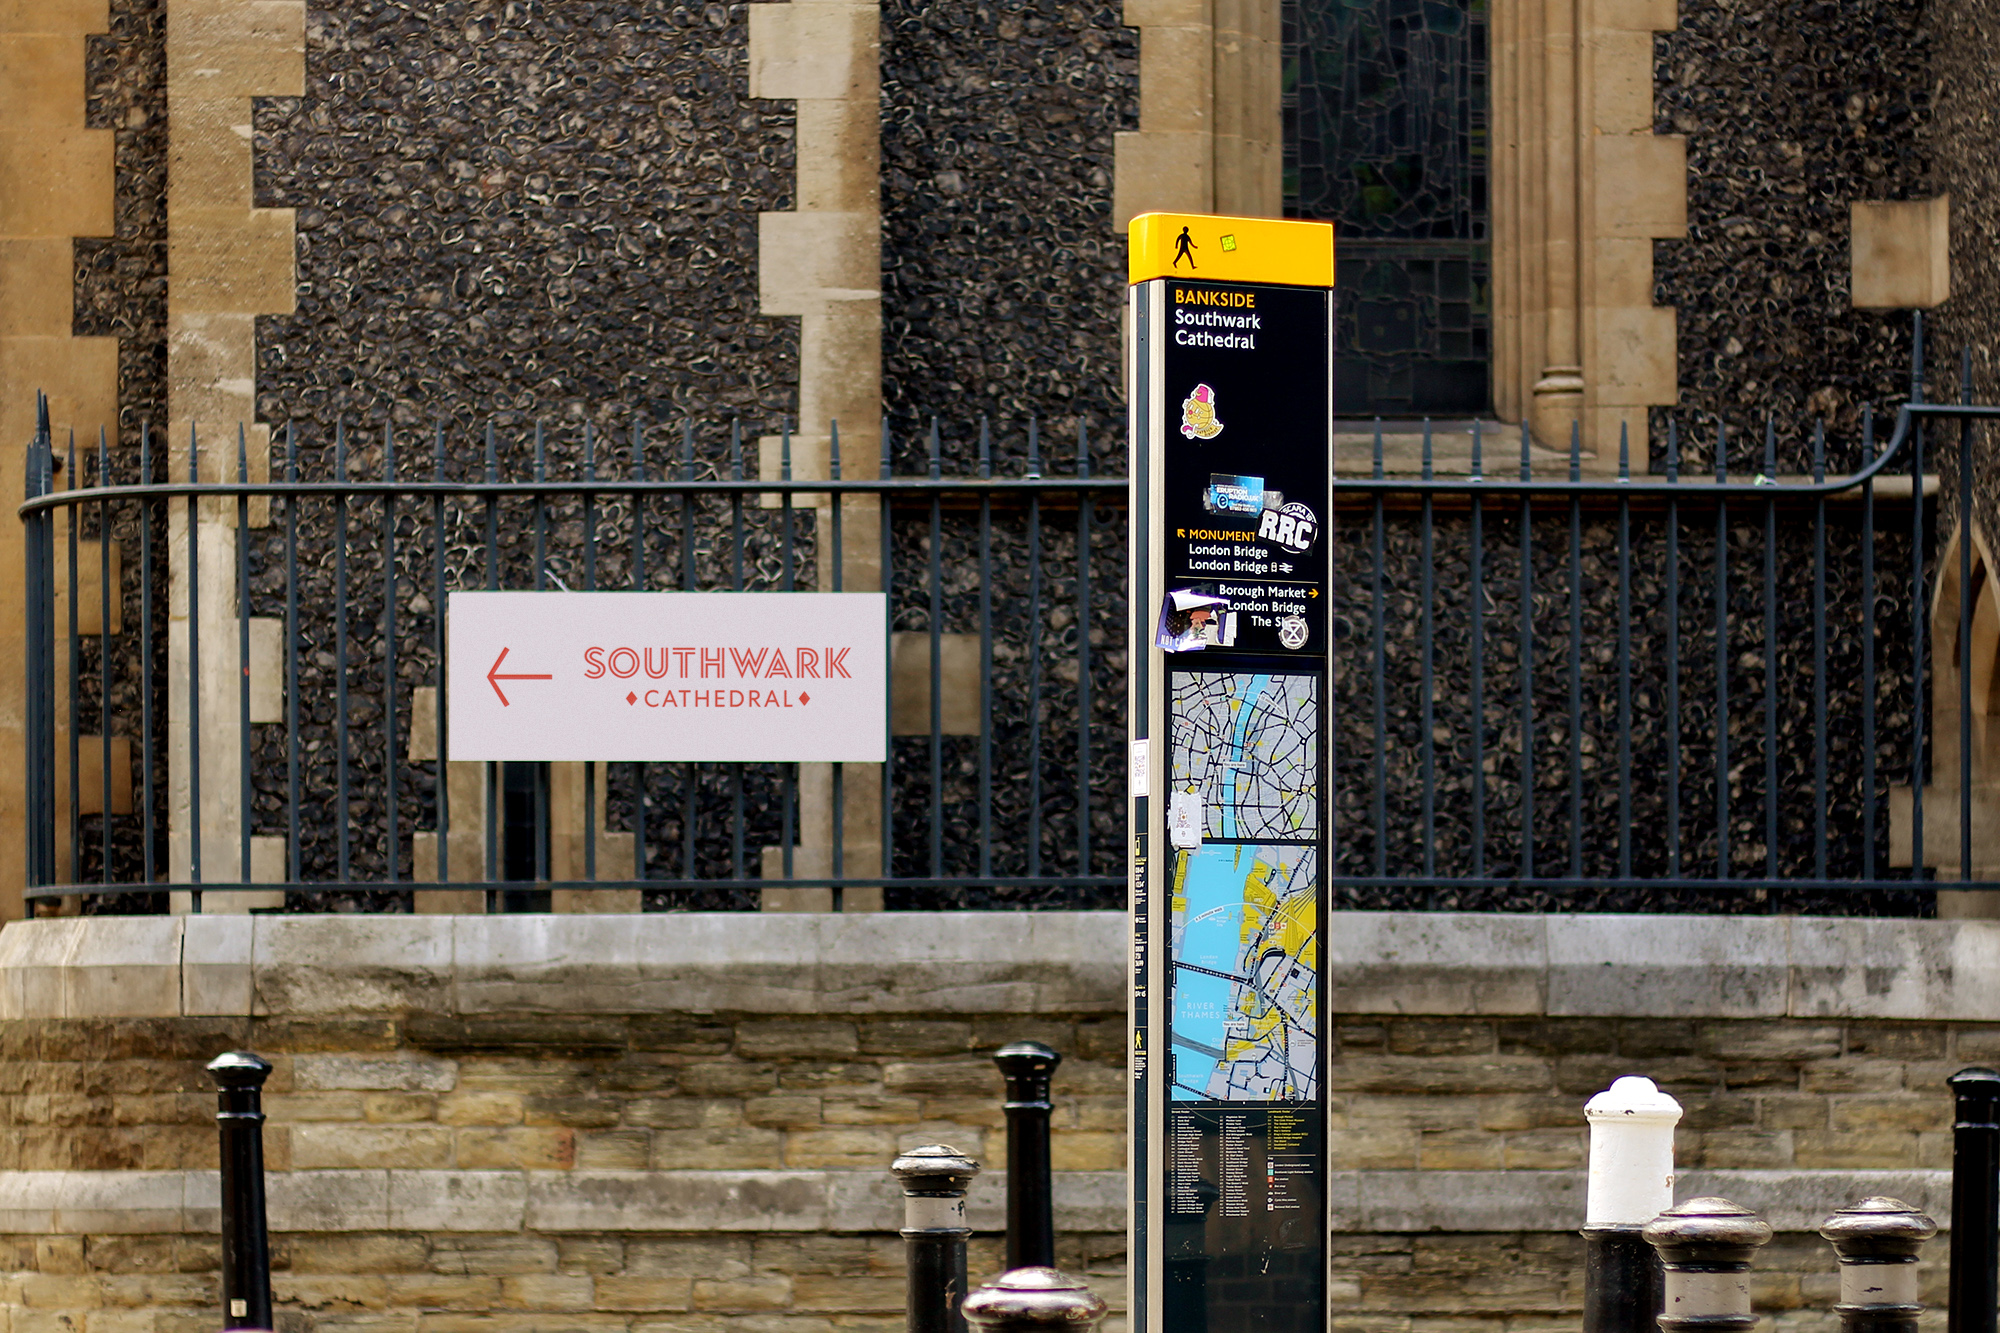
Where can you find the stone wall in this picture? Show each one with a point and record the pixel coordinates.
(634, 1125)
(1002, 277)
(121, 281)
(1791, 111)
(1961, 132)
(600, 1173)
(516, 213)
(596, 1156)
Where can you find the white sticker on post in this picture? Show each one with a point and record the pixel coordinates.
(1142, 768)
(930, 1213)
(1184, 817)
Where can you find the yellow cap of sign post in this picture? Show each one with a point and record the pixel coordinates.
(1224, 249)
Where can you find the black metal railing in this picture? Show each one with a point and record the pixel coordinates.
(1741, 681)
(1658, 691)
(327, 783)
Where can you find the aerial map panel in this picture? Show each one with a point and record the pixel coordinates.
(1245, 1009)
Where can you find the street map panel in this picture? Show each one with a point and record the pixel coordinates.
(1246, 973)
(1249, 745)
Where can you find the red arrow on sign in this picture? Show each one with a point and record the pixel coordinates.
(493, 677)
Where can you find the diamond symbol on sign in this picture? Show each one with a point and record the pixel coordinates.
(631, 698)
(805, 698)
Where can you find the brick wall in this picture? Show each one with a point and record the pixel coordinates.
(1445, 1094)
(509, 1124)
(423, 1097)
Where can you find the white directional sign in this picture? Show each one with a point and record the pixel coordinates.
(706, 677)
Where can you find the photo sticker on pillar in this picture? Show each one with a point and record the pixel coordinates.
(1191, 621)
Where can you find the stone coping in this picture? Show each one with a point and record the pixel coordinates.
(153, 1202)
(680, 962)
(1454, 963)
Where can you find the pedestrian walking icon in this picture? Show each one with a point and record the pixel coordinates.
(1182, 248)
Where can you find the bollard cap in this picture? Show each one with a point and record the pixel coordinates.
(1027, 1057)
(1631, 1177)
(1711, 1231)
(1878, 1230)
(1978, 1097)
(1040, 1298)
(1026, 1067)
(1632, 1100)
(239, 1069)
(936, 1168)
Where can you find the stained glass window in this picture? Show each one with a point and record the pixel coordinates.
(1386, 138)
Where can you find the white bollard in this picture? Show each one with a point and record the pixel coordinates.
(1631, 1154)
(1631, 1183)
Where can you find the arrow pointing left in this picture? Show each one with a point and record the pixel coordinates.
(493, 676)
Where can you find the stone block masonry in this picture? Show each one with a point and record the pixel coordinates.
(56, 177)
(682, 1121)
(230, 262)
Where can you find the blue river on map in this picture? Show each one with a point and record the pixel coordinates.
(1212, 937)
(1233, 763)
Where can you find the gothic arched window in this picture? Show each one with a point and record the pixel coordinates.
(1385, 106)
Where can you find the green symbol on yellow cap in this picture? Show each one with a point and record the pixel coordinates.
(1229, 242)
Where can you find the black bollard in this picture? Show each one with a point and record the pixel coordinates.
(1027, 1067)
(1621, 1282)
(934, 1181)
(1877, 1241)
(1034, 1300)
(246, 1245)
(1705, 1247)
(1975, 1202)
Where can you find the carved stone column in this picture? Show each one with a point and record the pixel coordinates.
(229, 261)
(822, 262)
(59, 185)
(1558, 391)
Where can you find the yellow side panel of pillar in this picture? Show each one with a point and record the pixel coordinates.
(1229, 249)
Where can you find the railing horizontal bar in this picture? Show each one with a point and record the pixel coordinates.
(1397, 493)
(1946, 411)
(516, 885)
(1697, 882)
(1502, 484)
(1609, 487)
(1608, 496)
(974, 486)
(97, 888)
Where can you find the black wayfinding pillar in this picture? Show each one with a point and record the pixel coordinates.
(1231, 443)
